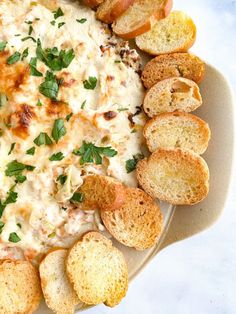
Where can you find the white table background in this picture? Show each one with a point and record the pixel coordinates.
(196, 276)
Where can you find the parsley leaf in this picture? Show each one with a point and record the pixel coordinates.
(58, 13)
(1, 226)
(25, 54)
(56, 60)
(50, 87)
(11, 149)
(58, 130)
(13, 237)
(83, 104)
(29, 37)
(43, 139)
(81, 21)
(15, 168)
(30, 30)
(62, 179)
(57, 157)
(3, 45)
(20, 179)
(33, 69)
(91, 83)
(61, 24)
(53, 23)
(39, 103)
(31, 151)
(14, 58)
(90, 153)
(69, 116)
(77, 198)
(132, 163)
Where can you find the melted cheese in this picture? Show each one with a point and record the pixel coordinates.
(41, 199)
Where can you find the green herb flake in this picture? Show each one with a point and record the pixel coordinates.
(43, 139)
(1, 226)
(62, 179)
(93, 154)
(81, 21)
(53, 23)
(58, 13)
(132, 163)
(58, 130)
(30, 30)
(11, 149)
(68, 117)
(31, 151)
(77, 198)
(52, 235)
(13, 237)
(57, 157)
(20, 179)
(29, 22)
(39, 103)
(3, 45)
(91, 83)
(29, 38)
(49, 88)
(122, 109)
(25, 54)
(11, 198)
(33, 69)
(14, 58)
(14, 168)
(19, 225)
(83, 104)
(61, 24)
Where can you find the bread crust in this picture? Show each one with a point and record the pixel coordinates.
(145, 25)
(173, 65)
(138, 223)
(204, 132)
(108, 13)
(177, 176)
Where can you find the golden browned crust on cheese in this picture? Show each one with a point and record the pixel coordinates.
(177, 130)
(177, 176)
(171, 95)
(19, 286)
(140, 17)
(173, 65)
(102, 192)
(109, 10)
(97, 270)
(137, 223)
(92, 3)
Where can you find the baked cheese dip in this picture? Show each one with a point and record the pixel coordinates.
(70, 98)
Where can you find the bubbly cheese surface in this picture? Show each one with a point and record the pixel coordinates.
(106, 115)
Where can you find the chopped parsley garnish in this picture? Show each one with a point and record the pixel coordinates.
(122, 109)
(33, 69)
(11, 198)
(91, 83)
(14, 58)
(29, 37)
(69, 116)
(50, 87)
(83, 104)
(58, 130)
(25, 54)
(11, 149)
(20, 179)
(57, 157)
(17, 35)
(58, 13)
(117, 61)
(81, 21)
(19, 225)
(30, 30)
(132, 163)
(39, 103)
(3, 45)
(77, 197)
(56, 60)
(53, 23)
(62, 179)
(13, 237)
(1, 226)
(29, 22)
(15, 168)
(52, 235)
(93, 154)
(31, 151)
(61, 24)
(43, 139)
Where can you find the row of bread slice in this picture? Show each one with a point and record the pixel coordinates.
(93, 271)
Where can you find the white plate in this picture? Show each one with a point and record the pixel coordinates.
(218, 111)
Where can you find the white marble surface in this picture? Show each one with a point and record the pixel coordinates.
(196, 276)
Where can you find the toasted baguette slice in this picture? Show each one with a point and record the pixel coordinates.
(177, 176)
(102, 192)
(97, 270)
(58, 292)
(138, 223)
(92, 3)
(177, 130)
(110, 10)
(172, 94)
(139, 18)
(176, 33)
(173, 65)
(19, 286)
